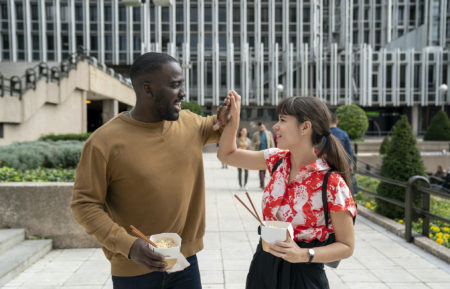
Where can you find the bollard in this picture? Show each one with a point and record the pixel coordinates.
(43, 70)
(54, 76)
(15, 86)
(2, 85)
(409, 199)
(30, 78)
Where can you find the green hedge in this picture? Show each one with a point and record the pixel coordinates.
(353, 120)
(37, 175)
(439, 127)
(69, 136)
(385, 145)
(192, 106)
(48, 154)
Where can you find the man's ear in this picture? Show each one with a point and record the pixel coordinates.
(147, 88)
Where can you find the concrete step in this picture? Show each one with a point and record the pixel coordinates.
(18, 258)
(10, 237)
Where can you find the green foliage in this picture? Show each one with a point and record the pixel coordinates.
(69, 136)
(353, 120)
(192, 106)
(439, 127)
(402, 161)
(48, 154)
(37, 175)
(385, 145)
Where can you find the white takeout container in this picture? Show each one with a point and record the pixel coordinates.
(170, 254)
(274, 231)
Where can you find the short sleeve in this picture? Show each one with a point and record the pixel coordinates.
(272, 155)
(339, 195)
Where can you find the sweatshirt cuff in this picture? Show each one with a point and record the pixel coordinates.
(124, 245)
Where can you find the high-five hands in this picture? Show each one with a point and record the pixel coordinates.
(224, 111)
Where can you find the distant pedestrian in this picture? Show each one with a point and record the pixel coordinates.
(262, 140)
(343, 137)
(244, 143)
(439, 172)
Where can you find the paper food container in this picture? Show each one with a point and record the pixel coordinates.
(274, 231)
(170, 254)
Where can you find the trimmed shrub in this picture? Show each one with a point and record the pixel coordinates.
(439, 128)
(37, 175)
(192, 106)
(48, 154)
(402, 161)
(353, 120)
(385, 145)
(69, 136)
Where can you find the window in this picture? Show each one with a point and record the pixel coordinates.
(1, 130)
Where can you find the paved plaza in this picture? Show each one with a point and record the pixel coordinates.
(381, 260)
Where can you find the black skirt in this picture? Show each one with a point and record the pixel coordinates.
(270, 272)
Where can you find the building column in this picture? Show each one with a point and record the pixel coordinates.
(42, 30)
(58, 45)
(72, 37)
(12, 31)
(115, 31)
(145, 27)
(110, 109)
(27, 31)
(101, 31)
(130, 42)
(84, 120)
(201, 53)
(86, 27)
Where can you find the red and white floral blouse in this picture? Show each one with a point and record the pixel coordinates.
(300, 202)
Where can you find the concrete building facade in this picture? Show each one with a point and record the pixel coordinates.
(390, 57)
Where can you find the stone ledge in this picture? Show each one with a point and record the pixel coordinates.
(422, 242)
(43, 209)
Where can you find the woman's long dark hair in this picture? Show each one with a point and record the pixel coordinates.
(314, 110)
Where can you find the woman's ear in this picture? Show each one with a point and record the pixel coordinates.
(306, 125)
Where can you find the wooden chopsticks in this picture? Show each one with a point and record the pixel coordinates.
(142, 236)
(254, 213)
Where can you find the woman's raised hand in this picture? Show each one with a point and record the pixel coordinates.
(235, 106)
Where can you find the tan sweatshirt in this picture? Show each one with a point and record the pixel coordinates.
(149, 175)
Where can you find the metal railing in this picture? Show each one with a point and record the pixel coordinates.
(415, 185)
(18, 85)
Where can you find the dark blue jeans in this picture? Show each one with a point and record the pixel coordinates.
(188, 278)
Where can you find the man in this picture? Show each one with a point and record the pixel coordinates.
(345, 141)
(144, 168)
(262, 139)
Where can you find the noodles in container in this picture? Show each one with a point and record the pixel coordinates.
(168, 245)
(274, 231)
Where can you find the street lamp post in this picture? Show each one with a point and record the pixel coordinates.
(442, 91)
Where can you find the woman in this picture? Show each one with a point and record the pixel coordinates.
(294, 194)
(243, 143)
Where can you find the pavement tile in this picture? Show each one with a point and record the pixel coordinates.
(430, 275)
(352, 275)
(434, 285)
(408, 286)
(212, 277)
(366, 285)
(394, 275)
(235, 277)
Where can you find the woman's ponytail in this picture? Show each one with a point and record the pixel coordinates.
(335, 154)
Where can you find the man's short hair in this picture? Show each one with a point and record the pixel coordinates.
(260, 123)
(149, 63)
(333, 118)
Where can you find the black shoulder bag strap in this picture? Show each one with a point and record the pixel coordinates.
(324, 194)
(275, 166)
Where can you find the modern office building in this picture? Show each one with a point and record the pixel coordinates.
(390, 57)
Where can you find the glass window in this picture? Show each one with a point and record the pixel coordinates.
(136, 14)
(122, 42)
(78, 12)
(93, 13)
(108, 42)
(34, 12)
(64, 13)
(165, 14)
(108, 13)
(194, 14)
(222, 14)
(180, 14)
(19, 11)
(122, 14)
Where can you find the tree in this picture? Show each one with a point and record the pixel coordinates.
(385, 145)
(401, 162)
(353, 120)
(439, 128)
(192, 106)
